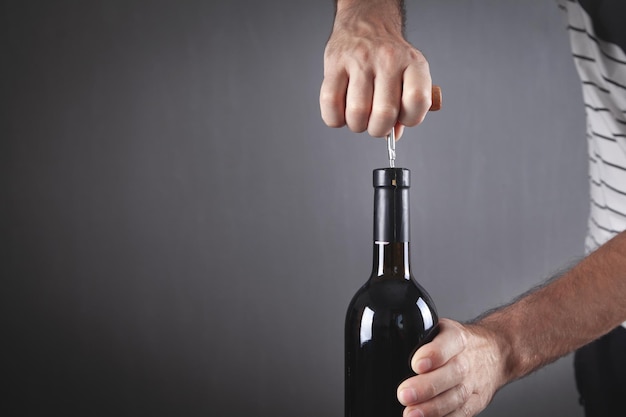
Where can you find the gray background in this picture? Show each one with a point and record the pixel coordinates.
(180, 234)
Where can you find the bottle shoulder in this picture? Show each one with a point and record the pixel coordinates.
(391, 303)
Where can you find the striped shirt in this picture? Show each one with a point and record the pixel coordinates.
(597, 32)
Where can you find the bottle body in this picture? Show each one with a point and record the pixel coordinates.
(389, 317)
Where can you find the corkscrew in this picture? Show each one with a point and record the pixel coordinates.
(391, 137)
(391, 147)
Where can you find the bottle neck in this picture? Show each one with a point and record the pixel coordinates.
(391, 214)
(391, 259)
(391, 231)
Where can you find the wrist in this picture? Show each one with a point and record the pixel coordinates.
(499, 348)
(387, 14)
(396, 5)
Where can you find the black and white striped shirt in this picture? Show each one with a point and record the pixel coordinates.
(597, 31)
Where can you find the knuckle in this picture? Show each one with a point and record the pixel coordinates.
(431, 390)
(419, 59)
(462, 366)
(466, 411)
(361, 55)
(463, 394)
(357, 117)
(440, 408)
(414, 109)
(387, 54)
(394, 57)
(330, 98)
(385, 112)
(358, 109)
(437, 357)
(419, 96)
(424, 391)
(419, 93)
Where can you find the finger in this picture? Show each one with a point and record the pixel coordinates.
(385, 104)
(421, 388)
(399, 130)
(359, 100)
(447, 344)
(333, 99)
(442, 405)
(416, 94)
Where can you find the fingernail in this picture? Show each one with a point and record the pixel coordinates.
(407, 396)
(424, 365)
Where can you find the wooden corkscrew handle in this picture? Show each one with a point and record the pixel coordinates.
(436, 98)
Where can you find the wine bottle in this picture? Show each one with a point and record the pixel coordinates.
(391, 315)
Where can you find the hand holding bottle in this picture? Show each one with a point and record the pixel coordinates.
(459, 372)
(373, 78)
(464, 365)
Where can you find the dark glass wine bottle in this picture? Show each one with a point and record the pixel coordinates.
(391, 315)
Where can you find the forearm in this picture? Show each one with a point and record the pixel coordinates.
(583, 304)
